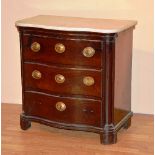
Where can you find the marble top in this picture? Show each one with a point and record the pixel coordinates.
(76, 24)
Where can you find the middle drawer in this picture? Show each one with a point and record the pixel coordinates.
(62, 80)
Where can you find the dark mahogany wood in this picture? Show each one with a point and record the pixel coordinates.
(73, 83)
(122, 85)
(24, 123)
(127, 124)
(108, 138)
(78, 111)
(103, 108)
(72, 55)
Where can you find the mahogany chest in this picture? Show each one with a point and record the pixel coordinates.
(76, 73)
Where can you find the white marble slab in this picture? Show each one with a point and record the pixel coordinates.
(76, 24)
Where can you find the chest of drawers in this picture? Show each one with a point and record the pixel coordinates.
(76, 73)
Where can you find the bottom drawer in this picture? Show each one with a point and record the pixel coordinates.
(63, 109)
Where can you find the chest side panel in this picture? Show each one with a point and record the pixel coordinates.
(123, 66)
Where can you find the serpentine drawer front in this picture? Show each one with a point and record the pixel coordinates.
(63, 110)
(76, 73)
(62, 80)
(61, 50)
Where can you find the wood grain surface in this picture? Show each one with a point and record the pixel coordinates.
(78, 111)
(71, 56)
(73, 83)
(44, 140)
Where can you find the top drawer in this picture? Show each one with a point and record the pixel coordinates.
(62, 51)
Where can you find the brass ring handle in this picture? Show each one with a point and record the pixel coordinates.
(59, 78)
(59, 48)
(88, 52)
(35, 47)
(36, 74)
(88, 81)
(60, 106)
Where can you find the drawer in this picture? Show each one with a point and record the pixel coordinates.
(63, 110)
(62, 51)
(62, 80)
